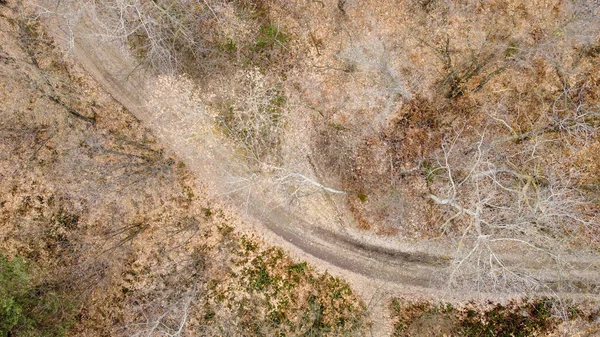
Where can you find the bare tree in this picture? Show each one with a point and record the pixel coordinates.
(168, 320)
(492, 203)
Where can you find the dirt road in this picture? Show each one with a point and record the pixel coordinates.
(167, 107)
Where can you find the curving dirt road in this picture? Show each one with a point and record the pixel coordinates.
(372, 265)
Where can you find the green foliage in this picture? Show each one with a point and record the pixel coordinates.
(298, 268)
(270, 36)
(207, 212)
(14, 281)
(431, 172)
(230, 46)
(276, 103)
(289, 298)
(512, 49)
(513, 319)
(27, 309)
(529, 318)
(517, 321)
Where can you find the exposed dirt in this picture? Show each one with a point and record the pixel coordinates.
(170, 109)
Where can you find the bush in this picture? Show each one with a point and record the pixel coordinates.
(14, 281)
(29, 309)
(529, 317)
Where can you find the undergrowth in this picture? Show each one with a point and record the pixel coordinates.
(30, 306)
(529, 317)
(272, 295)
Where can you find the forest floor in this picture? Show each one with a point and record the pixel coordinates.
(99, 158)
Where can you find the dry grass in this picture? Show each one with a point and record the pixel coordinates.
(487, 106)
(118, 223)
(475, 123)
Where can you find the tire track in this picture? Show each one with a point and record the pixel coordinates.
(115, 71)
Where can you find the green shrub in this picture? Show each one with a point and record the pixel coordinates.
(30, 309)
(270, 36)
(14, 282)
(512, 320)
(517, 319)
